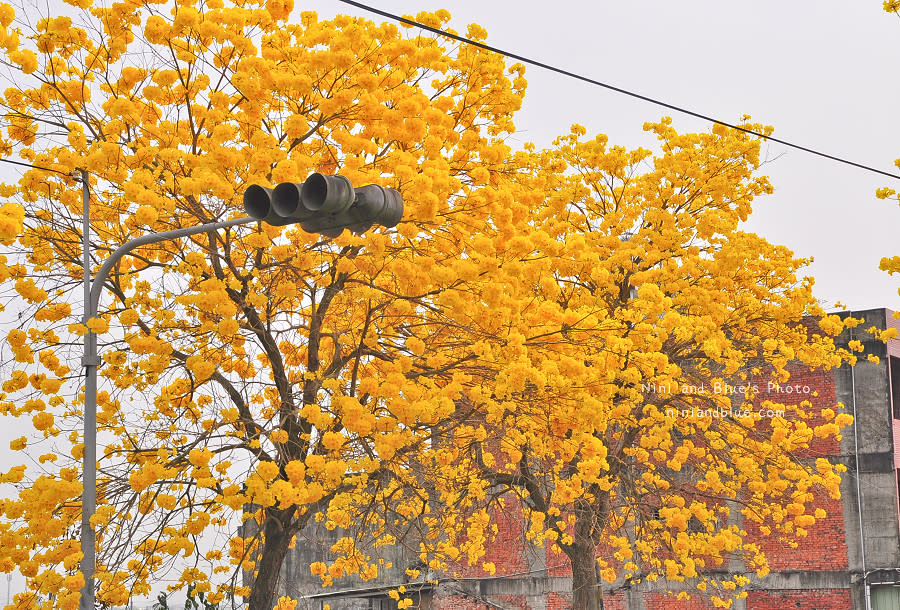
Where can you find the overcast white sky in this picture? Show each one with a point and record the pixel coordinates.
(822, 72)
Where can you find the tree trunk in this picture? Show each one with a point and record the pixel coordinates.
(278, 531)
(586, 591)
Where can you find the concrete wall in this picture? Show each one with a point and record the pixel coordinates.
(868, 450)
(313, 544)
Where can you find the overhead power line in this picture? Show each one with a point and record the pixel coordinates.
(592, 81)
(46, 169)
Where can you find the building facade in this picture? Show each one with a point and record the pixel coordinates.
(849, 560)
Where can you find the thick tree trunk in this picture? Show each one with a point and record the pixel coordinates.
(278, 531)
(586, 591)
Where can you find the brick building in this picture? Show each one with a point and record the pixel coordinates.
(849, 560)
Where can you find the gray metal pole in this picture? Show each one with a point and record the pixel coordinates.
(91, 362)
(89, 464)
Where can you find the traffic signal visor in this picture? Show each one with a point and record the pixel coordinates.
(325, 204)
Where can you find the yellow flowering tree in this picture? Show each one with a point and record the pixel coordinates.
(12, 217)
(636, 416)
(265, 373)
(508, 336)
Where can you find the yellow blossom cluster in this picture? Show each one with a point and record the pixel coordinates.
(305, 356)
(632, 316)
(520, 331)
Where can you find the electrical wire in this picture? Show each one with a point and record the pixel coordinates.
(46, 169)
(592, 81)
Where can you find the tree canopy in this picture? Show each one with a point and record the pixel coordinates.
(638, 418)
(501, 339)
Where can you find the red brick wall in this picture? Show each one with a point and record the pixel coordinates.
(824, 548)
(804, 599)
(664, 601)
(514, 601)
(559, 601)
(457, 602)
(815, 386)
(557, 562)
(462, 602)
(506, 549)
(614, 602)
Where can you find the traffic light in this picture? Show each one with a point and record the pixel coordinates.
(325, 204)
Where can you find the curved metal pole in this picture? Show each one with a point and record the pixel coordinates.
(91, 362)
(152, 238)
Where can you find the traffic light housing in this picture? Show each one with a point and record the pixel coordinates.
(325, 204)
